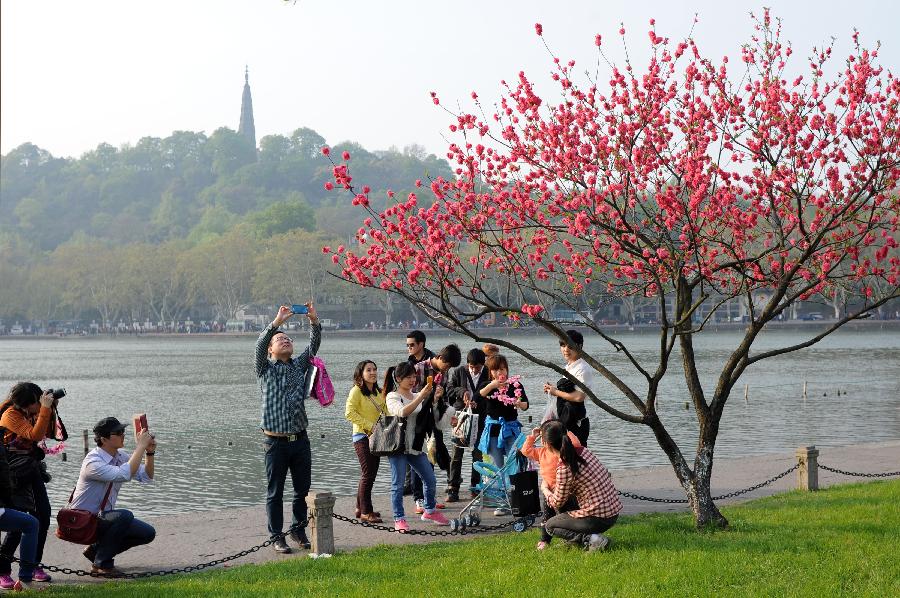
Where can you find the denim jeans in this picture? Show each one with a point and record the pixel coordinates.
(282, 456)
(27, 526)
(117, 531)
(422, 466)
(498, 456)
(42, 512)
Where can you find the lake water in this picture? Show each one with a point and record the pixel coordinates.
(203, 404)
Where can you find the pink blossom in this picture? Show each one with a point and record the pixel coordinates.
(326, 150)
(345, 155)
(539, 29)
(329, 185)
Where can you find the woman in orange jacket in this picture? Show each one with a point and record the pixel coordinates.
(27, 417)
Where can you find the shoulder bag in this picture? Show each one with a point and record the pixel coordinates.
(79, 526)
(388, 436)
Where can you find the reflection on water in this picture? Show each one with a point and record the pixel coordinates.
(201, 398)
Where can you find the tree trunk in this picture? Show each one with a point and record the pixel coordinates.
(696, 482)
(706, 513)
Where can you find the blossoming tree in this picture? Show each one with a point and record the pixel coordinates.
(690, 183)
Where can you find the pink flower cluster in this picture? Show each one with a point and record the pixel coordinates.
(679, 172)
(501, 394)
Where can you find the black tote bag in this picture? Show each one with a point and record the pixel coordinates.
(524, 495)
(388, 436)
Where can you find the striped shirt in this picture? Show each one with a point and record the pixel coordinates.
(282, 385)
(592, 488)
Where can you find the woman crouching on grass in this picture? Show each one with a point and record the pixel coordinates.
(579, 475)
(365, 405)
(398, 384)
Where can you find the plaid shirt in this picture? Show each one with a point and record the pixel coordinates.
(592, 487)
(282, 386)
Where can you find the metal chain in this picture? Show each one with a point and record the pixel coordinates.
(528, 521)
(674, 501)
(860, 475)
(162, 572)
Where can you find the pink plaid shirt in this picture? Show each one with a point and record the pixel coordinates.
(592, 487)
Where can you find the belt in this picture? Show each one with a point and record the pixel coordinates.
(289, 437)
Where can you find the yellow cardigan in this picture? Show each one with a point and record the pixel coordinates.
(361, 411)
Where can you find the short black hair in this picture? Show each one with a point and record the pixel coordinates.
(576, 337)
(451, 355)
(475, 357)
(416, 335)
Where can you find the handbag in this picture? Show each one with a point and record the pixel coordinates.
(524, 497)
(388, 436)
(465, 434)
(79, 526)
(318, 382)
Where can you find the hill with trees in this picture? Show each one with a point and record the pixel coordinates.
(168, 226)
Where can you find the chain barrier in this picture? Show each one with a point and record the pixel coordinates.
(674, 501)
(860, 475)
(163, 572)
(525, 521)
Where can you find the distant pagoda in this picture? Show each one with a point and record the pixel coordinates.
(247, 128)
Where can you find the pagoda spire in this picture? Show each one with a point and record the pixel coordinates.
(246, 127)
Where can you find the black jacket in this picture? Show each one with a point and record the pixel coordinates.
(460, 382)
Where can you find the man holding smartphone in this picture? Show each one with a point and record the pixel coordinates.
(282, 387)
(103, 472)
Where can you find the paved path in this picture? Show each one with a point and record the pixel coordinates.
(194, 538)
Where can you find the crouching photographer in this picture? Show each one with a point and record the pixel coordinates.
(103, 472)
(27, 417)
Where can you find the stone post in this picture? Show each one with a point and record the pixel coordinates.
(321, 507)
(808, 472)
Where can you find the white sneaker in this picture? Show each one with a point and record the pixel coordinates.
(598, 542)
(502, 512)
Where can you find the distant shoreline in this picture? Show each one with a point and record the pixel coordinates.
(491, 332)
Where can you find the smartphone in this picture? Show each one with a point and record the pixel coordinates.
(140, 423)
(299, 309)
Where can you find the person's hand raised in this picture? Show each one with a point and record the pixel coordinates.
(46, 399)
(143, 439)
(284, 312)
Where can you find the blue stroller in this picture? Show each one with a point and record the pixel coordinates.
(496, 490)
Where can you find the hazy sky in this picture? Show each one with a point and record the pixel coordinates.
(75, 74)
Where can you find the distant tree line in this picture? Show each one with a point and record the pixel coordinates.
(168, 226)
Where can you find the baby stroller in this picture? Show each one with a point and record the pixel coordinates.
(512, 487)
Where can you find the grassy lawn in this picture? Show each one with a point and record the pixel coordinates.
(840, 541)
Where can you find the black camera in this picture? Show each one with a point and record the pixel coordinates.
(57, 393)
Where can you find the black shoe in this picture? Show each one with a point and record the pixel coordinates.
(300, 538)
(90, 553)
(453, 496)
(281, 547)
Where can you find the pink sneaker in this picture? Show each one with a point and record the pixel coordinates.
(401, 525)
(435, 517)
(7, 582)
(40, 575)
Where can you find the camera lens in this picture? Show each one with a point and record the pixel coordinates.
(58, 393)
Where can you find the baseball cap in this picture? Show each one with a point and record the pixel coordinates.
(107, 426)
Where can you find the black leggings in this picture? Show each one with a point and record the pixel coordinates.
(577, 530)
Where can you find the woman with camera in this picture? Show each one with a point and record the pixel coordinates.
(27, 417)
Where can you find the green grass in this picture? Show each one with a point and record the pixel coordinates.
(840, 541)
